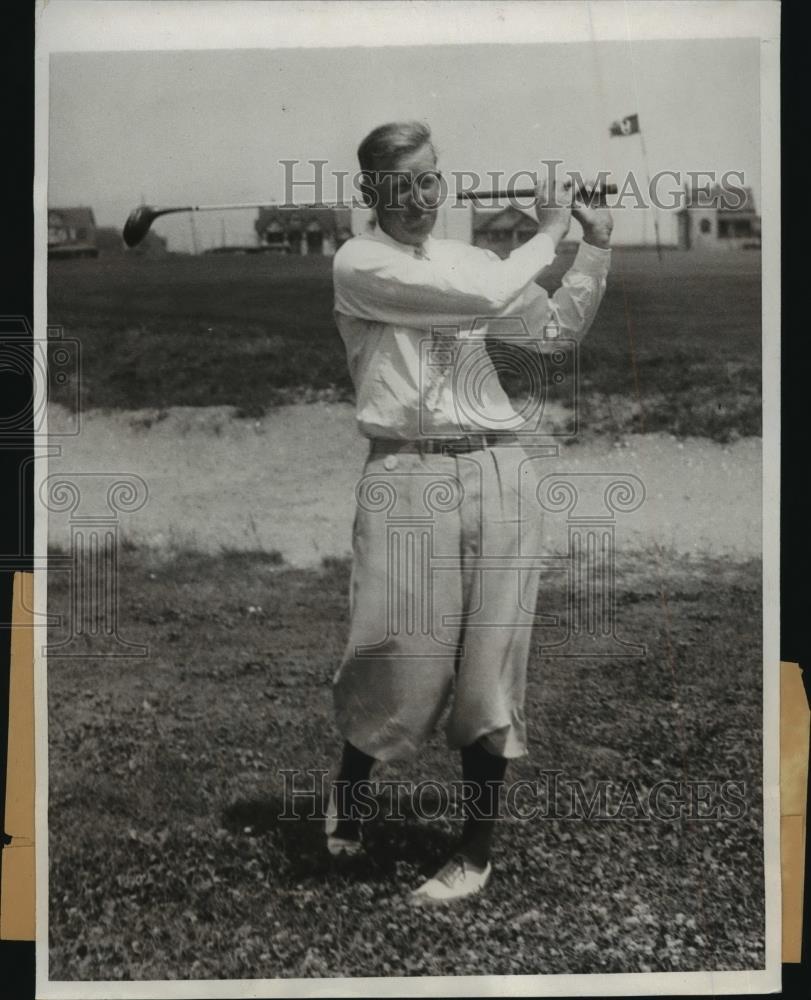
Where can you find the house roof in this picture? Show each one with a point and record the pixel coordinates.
(77, 217)
(330, 220)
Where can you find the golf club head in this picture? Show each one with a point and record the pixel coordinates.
(137, 225)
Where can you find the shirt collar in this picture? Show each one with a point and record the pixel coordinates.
(376, 233)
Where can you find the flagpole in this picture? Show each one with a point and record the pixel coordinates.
(194, 243)
(653, 207)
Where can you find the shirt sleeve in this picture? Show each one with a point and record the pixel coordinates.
(382, 284)
(572, 307)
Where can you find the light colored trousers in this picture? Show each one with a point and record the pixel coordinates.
(443, 593)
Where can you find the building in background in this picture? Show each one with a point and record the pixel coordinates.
(72, 232)
(502, 229)
(714, 220)
(303, 231)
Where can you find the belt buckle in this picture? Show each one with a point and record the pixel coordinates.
(464, 444)
(454, 446)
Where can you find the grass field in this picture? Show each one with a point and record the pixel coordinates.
(676, 346)
(168, 859)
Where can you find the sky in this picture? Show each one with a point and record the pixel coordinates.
(183, 127)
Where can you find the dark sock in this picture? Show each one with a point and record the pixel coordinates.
(485, 773)
(356, 766)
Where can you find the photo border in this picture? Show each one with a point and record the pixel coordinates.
(106, 26)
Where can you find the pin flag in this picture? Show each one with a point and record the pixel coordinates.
(629, 125)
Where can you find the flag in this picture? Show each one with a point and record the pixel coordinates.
(629, 125)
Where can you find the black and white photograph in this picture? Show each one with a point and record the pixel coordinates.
(407, 475)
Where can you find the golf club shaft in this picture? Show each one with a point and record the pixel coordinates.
(529, 193)
(248, 206)
(252, 205)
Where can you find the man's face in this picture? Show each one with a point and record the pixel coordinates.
(408, 197)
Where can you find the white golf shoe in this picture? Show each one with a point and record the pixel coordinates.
(338, 847)
(455, 880)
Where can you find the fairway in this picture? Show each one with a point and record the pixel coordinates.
(676, 346)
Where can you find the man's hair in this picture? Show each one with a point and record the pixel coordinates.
(384, 145)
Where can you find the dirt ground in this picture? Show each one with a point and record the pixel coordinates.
(285, 482)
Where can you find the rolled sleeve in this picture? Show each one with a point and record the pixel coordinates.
(592, 260)
(573, 306)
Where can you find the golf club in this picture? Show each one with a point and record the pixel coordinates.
(140, 219)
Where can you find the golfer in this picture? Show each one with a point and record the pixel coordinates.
(441, 613)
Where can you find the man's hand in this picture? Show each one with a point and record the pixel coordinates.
(554, 212)
(597, 224)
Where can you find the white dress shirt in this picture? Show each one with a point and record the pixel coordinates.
(414, 321)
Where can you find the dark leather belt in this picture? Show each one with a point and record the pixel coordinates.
(444, 446)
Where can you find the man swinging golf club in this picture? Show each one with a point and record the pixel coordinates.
(441, 612)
